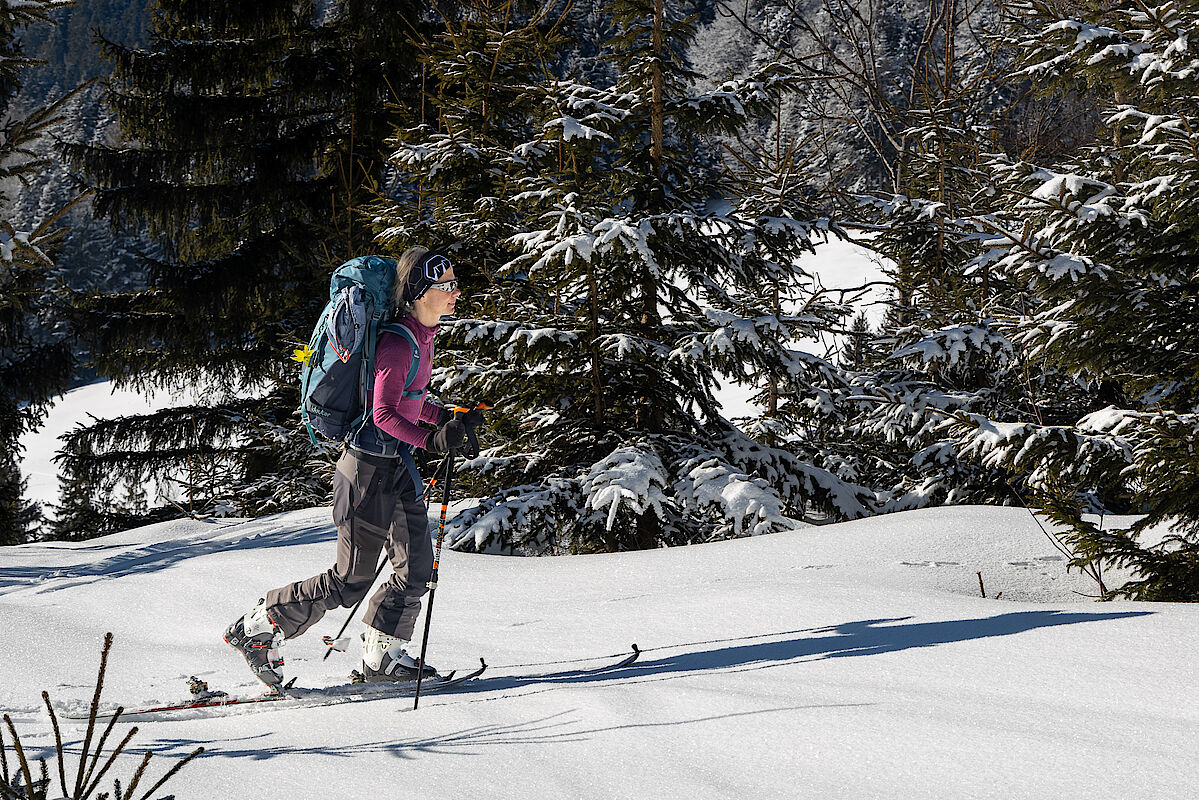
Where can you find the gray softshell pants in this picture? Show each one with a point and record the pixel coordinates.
(376, 503)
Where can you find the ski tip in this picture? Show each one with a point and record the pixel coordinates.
(636, 649)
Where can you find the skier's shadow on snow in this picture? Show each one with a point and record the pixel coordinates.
(154, 557)
(851, 639)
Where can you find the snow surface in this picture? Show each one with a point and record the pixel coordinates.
(81, 406)
(854, 660)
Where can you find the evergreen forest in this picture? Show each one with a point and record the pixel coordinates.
(632, 192)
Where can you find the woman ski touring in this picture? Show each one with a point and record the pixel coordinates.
(377, 497)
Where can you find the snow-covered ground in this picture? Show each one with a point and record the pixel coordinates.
(81, 406)
(855, 660)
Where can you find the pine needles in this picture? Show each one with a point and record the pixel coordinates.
(19, 784)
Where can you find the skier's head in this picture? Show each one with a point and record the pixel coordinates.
(419, 270)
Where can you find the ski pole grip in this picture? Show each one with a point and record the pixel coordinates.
(476, 407)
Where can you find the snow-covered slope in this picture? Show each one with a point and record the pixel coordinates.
(847, 661)
(81, 406)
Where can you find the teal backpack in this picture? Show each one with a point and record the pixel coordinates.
(338, 373)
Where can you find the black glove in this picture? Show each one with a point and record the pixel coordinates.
(450, 436)
(472, 418)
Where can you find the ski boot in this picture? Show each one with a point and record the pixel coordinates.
(201, 692)
(258, 638)
(385, 661)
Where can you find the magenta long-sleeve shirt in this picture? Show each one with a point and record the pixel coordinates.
(393, 413)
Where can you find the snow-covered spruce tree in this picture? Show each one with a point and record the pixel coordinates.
(777, 201)
(1108, 246)
(944, 347)
(636, 285)
(34, 366)
(251, 142)
(480, 64)
(939, 124)
(939, 347)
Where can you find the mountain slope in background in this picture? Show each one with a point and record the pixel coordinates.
(93, 256)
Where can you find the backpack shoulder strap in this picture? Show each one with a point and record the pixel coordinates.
(403, 330)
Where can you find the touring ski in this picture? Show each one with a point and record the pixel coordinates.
(211, 703)
(565, 676)
(206, 702)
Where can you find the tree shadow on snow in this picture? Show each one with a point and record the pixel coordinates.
(561, 728)
(154, 557)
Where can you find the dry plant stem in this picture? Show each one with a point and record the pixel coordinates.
(8, 794)
(89, 759)
(87, 779)
(195, 753)
(6, 790)
(62, 774)
(91, 787)
(20, 751)
(4, 762)
(91, 720)
(137, 776)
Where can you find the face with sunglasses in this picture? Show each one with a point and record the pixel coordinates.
(438, 299)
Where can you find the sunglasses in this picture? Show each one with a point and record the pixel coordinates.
(449, 287)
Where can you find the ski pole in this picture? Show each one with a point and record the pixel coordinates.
(432, 584)
(379, 570)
